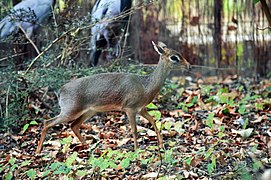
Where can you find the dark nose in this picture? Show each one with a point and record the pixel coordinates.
(188, 66)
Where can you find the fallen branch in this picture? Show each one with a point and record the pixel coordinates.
(263, 28)
(12, 56)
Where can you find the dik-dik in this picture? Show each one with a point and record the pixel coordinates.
(80, 99)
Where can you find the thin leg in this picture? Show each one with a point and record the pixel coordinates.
(96, 57)
(132, 118)
(47, 124)
(75, 126)
(146, 115)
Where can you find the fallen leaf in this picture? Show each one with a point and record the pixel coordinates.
(124, 141)
(150, 175)
(245, 133)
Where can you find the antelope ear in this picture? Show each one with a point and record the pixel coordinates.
(159, 49)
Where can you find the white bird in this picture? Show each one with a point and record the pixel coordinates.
(28, 14)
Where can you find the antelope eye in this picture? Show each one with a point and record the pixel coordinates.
(174, 58)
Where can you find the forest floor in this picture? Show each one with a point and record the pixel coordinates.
(218, 129)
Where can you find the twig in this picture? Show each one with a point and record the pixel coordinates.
(125, 35)
(7, 102)
(81, 28)
(161, 162)
(35, 96)
(262, 28)
(54, 17)
(208, 67)
(12, 56)
(28, 38)
(46, 49)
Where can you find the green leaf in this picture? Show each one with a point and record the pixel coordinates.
(112, 164)
(209, 121)
(226, 111)
(55, 165)
(62, 170)
(242, 109)
(257, 165)
(168, 125)
(157, 114)
(221, 135)
(188, 160)
(31, 173)
(210, 168)
(66, 140)
(206, 89)
(259, 106)
(1, 169)
(125, 163)
(254, 149)
(25, 127)
(178, 126)
(223, 98)
(45, 173)
(151, 106)
(71, 159)
(168, 155)
(214, 161)
(158, 125)
(209, 152)
(222, 128)
(81, 173)
(147, 160)
(202, 149)
(245, 123)
(25, 163)
(13, 167)
(8, 176)
(12, 160)
(104, 165)
(33, 123)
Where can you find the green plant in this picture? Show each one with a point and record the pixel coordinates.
(26, 126)
(155, 113)
(209, 121)
(221, 133)
(211, 166)
(31, 173)
(66, 142)
(185, 106)
(245, 123)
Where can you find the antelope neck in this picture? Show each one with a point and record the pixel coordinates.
(157, 78)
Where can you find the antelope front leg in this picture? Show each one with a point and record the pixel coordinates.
(147, 116)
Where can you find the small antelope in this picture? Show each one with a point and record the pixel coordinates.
(80, 99)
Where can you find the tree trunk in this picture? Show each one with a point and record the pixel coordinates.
(266, 12)
(217, 32)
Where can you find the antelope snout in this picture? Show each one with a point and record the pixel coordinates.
(188, 66)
